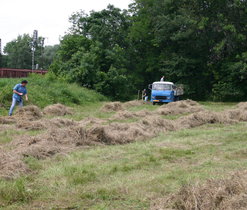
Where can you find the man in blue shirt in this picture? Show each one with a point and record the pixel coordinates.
(18, 91)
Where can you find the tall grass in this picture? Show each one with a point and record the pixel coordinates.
(45, 90)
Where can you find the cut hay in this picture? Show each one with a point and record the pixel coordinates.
(28, 113)
(227, 194)
(180, 107)
(134, 103)
(30, 125)
(11, 165)
(64, 135)
(44, 124)
(112, 107)
(118, 133)
(7, 120)
(123, 115)
(88, 122)
(57, 110)
(202, 118)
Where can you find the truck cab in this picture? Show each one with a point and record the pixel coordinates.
(164, 92)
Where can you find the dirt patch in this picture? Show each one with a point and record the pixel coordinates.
(227, 194)
(180, 107)
(112, 107)
(57, 110)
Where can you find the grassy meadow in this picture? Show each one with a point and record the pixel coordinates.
(130, 176)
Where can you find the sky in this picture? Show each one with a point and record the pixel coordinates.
(49, 17)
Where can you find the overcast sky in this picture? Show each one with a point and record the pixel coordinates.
(49, 17)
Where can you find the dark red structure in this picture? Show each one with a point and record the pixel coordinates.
(17, 73)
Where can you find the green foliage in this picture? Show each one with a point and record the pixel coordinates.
(196, 43)
(94, 55)
(18, 53)
(48, 89)
(48, 56)
(201, 44)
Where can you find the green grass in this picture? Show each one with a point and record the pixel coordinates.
(217, 106)
(45, 90)
(9, 134)
(126, 176)
(129, 176)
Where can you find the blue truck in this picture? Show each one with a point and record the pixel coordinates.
(165, 92)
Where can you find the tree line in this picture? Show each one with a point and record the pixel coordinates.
(18, 53)
(198, 43)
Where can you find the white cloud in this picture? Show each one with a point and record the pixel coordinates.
(49, 17)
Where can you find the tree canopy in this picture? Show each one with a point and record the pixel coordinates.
(18, 54)
(198, 43)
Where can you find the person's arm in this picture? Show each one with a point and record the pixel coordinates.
(20, 94)
(26, 97)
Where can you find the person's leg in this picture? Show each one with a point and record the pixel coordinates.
(12, 106)
(21, 103)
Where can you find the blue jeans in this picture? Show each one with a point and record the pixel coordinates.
(14, 101)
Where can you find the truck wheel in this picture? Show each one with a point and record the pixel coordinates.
(154, 103)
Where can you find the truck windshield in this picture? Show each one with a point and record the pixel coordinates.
(162, 87)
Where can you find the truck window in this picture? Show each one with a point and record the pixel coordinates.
(162, 87)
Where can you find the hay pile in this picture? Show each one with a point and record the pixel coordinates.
(180, 107)
(64, 135)
(57, 110)
(227, 194)
(239, 113)
(118, 133)
(112, 107)
(11, 165)
(44, 124)
(7, 120)
(28, 113)
(202, 118)
(123, 115)
(134, 103)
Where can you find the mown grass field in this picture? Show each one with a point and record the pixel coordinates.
(130, 176)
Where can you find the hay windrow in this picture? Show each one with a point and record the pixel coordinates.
(28, 113)
(123, 115)
(227, 194)
(180, 107)
(7, 120)
(44, 124)
(57, 110)
(134, 103)
(112, 107)
(63, 135)
(202, 118)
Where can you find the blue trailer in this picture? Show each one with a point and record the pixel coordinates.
(165, 92)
